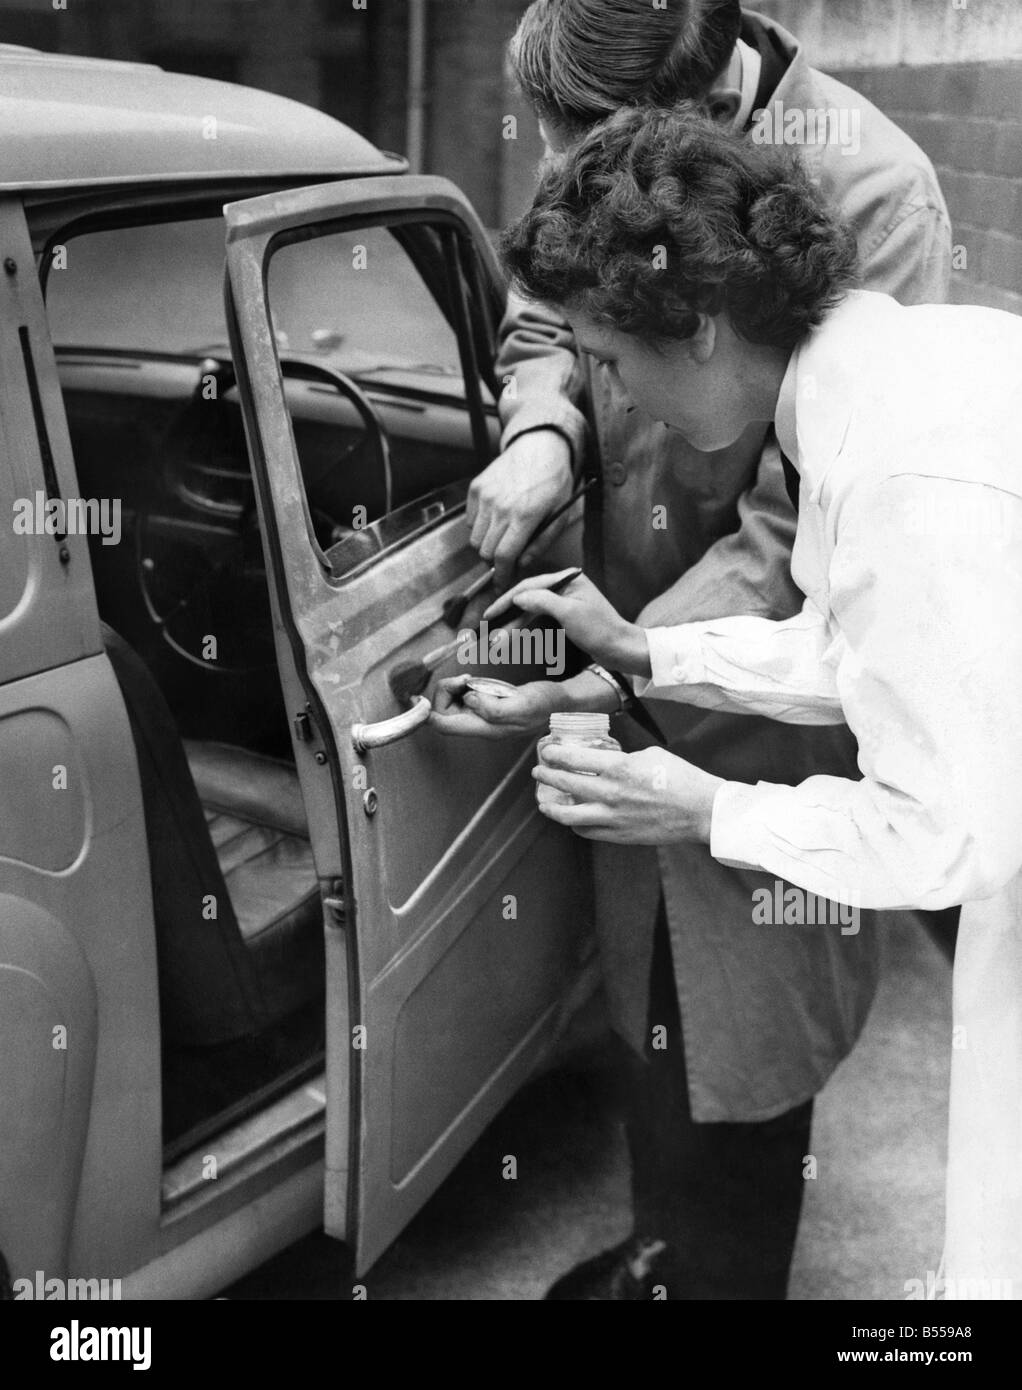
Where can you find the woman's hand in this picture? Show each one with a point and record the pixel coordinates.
(647, 798)
(587, 618)
(461, 711)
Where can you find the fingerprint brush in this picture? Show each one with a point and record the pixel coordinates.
(454, 607)
(412, 677)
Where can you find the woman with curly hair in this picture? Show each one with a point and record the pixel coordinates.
(708, 273)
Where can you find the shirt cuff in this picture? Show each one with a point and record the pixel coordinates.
(732, 837)
(550, 413)
(674, 658)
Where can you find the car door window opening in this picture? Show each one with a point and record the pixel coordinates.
(447, 280)
(405, 317)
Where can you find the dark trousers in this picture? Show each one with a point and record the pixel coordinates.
(726, 1197)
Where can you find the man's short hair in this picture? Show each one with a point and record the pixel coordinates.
(577, 61)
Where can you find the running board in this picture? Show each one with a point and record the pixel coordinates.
(291, 1124)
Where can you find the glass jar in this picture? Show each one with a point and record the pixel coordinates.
(582, 730)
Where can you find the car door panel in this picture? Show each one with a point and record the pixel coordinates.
(458, 934)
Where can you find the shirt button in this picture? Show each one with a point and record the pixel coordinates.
(617, 473)
(678, 674)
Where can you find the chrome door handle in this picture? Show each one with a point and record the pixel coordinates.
(365, 736)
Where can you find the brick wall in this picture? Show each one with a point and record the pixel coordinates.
(949, 72)
(884, 33)
(468, 99)
(965, 109)
(968, 119)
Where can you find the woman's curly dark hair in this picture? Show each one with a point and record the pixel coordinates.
(657, 216)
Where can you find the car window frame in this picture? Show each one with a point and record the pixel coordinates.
(473, 323)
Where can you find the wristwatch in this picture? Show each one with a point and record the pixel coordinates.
(619, 690)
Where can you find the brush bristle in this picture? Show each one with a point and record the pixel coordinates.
(408, 680)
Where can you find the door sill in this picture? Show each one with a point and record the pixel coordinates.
(246, 1158)
(249, 1105)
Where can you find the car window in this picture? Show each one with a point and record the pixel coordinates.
(377, 304)
(354, 300)
(145, 289)
(370, 304)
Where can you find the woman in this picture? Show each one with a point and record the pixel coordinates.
(903, 424)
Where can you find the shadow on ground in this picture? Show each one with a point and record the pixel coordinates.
(872, 1218)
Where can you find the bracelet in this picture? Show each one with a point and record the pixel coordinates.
(612, 681)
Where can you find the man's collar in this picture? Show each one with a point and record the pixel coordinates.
(785, 422)
(751, 64)
(816, 402)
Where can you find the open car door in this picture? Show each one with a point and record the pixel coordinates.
(455, 920)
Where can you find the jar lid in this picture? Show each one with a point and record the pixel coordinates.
(486, 685)
(580, 725)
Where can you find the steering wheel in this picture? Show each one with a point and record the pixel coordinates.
(218, 588)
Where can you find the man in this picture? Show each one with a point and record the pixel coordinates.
(755, 1019)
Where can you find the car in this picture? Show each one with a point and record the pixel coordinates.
(272, 952)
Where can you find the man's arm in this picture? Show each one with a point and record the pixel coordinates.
(911, 260)
(543, 442)
(541, 376)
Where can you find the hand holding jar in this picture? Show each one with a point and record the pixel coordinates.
(577, 731)
(647, 798)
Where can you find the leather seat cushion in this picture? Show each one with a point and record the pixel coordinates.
(256, 820)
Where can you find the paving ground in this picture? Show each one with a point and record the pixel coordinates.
(872, 1218)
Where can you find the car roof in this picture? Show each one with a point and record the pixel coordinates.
(79, 123)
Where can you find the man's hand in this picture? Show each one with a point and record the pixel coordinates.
(468, 713)
(647, 798)
(585, 615)
(509, 499)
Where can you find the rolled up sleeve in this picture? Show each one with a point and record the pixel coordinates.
(930, 681)
(784, 670)
(542, 375)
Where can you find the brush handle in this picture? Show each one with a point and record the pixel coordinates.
(454, 607)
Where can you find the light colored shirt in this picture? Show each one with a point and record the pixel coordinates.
(906, 427)
(750, 67)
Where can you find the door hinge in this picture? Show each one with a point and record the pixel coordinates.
(335, 907)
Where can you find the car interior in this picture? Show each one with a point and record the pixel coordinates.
(374, 379)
